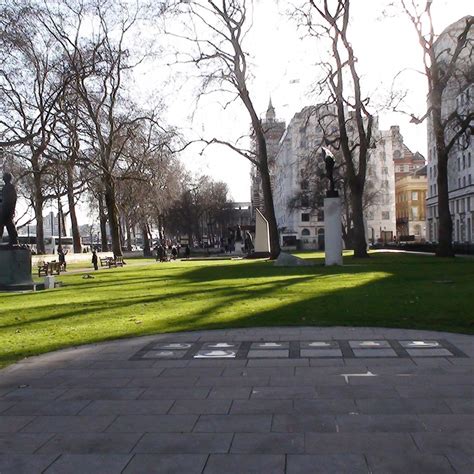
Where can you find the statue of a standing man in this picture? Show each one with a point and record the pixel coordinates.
(329, 162)
(7, 209)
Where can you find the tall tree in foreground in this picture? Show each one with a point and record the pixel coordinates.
(220, 28)
(448, 68)
(329, 19)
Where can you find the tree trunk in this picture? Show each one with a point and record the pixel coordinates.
(146, 241)
(38, 208)
(76, 235)
(445, 227)
(112, 212)
(129, 236)
(360, 243)
(103, 226)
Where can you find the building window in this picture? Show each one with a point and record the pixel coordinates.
(305, 232)
(385, 215)
(414, 213)
(464, 181)
(305, 217)
(320, 216)
(414, 195)
(304, 201)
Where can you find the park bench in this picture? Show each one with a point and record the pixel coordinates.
(111, 262)
(49, 268)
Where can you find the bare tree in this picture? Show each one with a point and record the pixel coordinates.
(329, 20)
(448, 68)
(219, 31)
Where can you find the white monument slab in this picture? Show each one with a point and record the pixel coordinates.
(332, 231)
(262, 233)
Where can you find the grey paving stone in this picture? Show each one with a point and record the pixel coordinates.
(419, 463)
(152, 423)
(184, 443)
(127, 373)
(461, 405)
(193, 372)
(308, 381)
(261, 406)
(374, 353)
(278, 363)
(300, 422)
(68, 424)
(267, 354)
(370, 344)
(163, 382)
(17, 443)
(325, 407)
(326, 362)
(345, 443)
(248, 463)
(356, 391)
(34, 394)
(326, 464)
(237, 382)
(269, 345)
(441, 443)
(233, 424)
(400, 406)
(268, 443)
(429, 353)
(121, 365)
(174, 393)
(258, 371)
(4, 406)
(160, 363)
(379, 423)
(226, 393)
(436, 391)
(462, 463)
(283, 393)
(25, 464)
(321, 353)
(448, 423)
(217, 363)
(41, 407)
(13, 423)
(198, 407)
(127, 407)
(79, 463)
(166, 463)
(102, 394)
(90, 443)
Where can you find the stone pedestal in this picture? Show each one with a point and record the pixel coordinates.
(15, 269)
(332, 231)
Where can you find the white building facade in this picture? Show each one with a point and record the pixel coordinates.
(458, 97)
(299, 222)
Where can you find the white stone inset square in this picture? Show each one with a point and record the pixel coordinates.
(173, 346)
(221, 346)
(420, 344)
(374, 344)
(429, 353)
(321, 353)
(163, 354)
(319, 345)
(216, 354)
(270, 345)
(271, 354)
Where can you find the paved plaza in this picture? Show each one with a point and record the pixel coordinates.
(260, 400)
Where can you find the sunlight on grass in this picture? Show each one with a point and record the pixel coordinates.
(385, 290)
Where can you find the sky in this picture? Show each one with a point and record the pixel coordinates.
(283, 66)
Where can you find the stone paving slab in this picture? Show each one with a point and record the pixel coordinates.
(330, 400)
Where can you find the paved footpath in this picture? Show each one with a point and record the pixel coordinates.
(269, 400)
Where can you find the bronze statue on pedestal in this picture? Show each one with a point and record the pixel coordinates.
(7, 210)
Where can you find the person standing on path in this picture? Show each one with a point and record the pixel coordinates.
(94, 260)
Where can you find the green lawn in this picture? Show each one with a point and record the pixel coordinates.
(390, 290)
